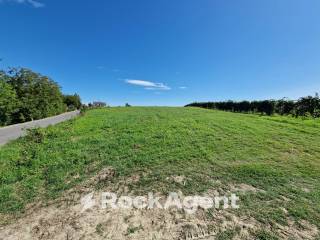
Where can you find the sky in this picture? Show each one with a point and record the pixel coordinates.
(166, 52)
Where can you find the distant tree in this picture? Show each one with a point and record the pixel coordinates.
(266, 106)
(307, 106)
(284, 107)
(245, 106)
(72, 101)
(128, 105)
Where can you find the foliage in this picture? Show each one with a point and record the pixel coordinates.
(73, 102)
(308, 106)
(305, 106)
(26, 95)
(39, 96)
(8, 102)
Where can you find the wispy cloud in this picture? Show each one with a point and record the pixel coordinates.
(148, 85)
(100, 67)
(33, 3)
(183, 87)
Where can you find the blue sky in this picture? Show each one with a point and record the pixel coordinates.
(167, 52)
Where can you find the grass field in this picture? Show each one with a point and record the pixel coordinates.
(279, 156)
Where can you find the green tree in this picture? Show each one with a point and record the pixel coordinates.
(8, 101)
(72, 101)
(39, 96)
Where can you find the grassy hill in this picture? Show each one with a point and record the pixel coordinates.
(279, 157)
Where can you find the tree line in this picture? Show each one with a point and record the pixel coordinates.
(26, 96)
(306, 106)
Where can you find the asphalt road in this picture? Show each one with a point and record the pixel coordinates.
(15, 131)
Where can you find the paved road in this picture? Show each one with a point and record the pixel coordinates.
(15, 131)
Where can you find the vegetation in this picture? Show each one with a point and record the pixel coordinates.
(26, 95)
(279, 156)
(73, 102)
(305, 106)
(8, 103)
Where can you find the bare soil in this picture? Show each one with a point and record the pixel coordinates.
(64, 218)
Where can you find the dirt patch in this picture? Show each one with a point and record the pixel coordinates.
(178, 179)
(65, 218)
(303, 230)
(61, 222)
(105, 174)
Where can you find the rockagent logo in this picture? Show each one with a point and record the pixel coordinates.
(190, 204)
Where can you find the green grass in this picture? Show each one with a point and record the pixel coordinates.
(280, 155)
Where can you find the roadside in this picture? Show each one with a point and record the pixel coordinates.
(18, 130)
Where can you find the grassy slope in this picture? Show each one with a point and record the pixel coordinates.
(280, 155)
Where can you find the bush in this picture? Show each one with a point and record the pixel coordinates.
(35, 135)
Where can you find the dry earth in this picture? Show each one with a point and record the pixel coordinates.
(64, 218)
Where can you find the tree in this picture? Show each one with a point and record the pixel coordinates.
(8, 101)
(305, 106)
(284, 106)
(72, 101)
(308, 106)
(39, 96)
(266, 106)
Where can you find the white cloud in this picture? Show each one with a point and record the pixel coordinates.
(183, 87)
(148, 85)
(33, 3)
